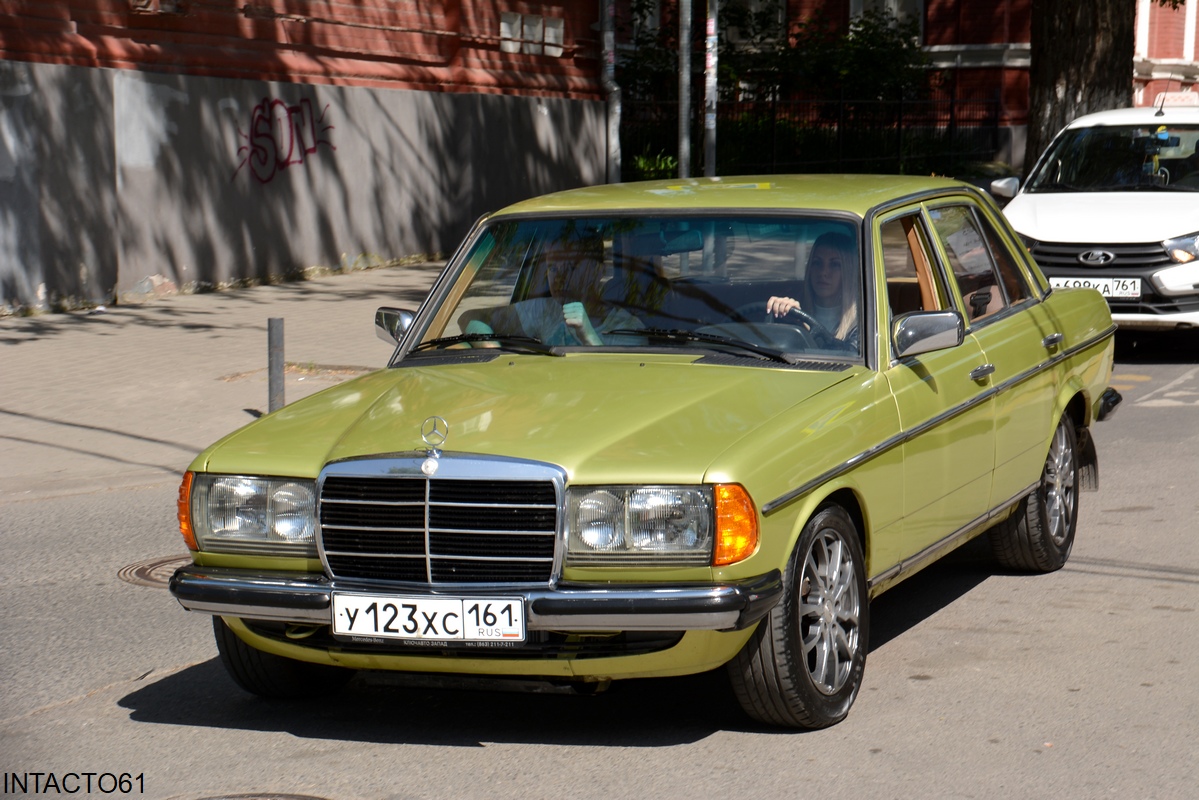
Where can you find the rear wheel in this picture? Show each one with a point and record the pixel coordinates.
(268, 675)
(803, 666)
(1040, 534)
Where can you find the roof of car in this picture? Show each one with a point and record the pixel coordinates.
(855, 194)
(1148, 115)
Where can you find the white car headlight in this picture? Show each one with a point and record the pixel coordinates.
(1184, 249)
(1184, 278)
(267, 516)
(640, 525)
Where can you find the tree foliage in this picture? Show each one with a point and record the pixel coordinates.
(762, 55)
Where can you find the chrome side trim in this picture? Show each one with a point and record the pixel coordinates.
(900, 438)
(284, 597)
(915, 563)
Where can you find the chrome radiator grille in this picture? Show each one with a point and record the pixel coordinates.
(438, 531)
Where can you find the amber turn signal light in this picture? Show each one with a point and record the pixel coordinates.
(736, 525)
(185, 512)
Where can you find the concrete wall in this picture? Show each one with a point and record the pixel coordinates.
(116, 182)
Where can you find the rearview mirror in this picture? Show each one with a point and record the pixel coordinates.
(392, 323)
(683, 243)
(926, 331)
(1005, 187)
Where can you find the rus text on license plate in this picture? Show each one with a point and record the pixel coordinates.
(470, 619)
(1108, 287)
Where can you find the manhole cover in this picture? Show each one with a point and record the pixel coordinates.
(155, 572)
(263, 797)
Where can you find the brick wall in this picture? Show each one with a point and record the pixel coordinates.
(452, 45)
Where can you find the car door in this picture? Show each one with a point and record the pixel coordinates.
(945, 415)
(1017, 339)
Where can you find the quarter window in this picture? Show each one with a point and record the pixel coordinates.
(912, 283)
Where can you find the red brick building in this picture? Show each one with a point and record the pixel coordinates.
(984, 47)
(1166, 62)
(541, 49)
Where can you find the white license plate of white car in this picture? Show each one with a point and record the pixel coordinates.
(439, 619)
(1108, 287)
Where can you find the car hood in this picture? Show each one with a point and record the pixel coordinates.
(1104, 217)
(601, 417)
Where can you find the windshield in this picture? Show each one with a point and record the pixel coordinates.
(658, 282)
(1121, 159)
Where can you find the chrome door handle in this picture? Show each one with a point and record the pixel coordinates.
(1052, 340)
(978, 373)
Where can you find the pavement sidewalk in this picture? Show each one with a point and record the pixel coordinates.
(128, 396)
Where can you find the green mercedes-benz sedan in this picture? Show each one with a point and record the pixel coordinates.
(659, 428)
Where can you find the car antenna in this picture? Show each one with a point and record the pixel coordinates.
(1161, 107)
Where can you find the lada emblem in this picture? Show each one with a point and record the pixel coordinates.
(1096, 258)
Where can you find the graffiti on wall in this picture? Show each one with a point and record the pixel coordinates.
(281, 136)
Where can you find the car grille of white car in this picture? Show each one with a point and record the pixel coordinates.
(431, 531)
(1127, 256)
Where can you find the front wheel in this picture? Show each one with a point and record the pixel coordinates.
(269, 675)
(803, 666)
(1039, 536)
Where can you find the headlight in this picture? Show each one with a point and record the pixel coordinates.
(1029, 242)
(1182, 279)
(267, 516)
(1184, 249)
(660, 525)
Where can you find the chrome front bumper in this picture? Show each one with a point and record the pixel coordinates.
(307, 599)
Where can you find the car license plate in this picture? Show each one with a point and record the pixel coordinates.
(1108, 287)
(442, 619)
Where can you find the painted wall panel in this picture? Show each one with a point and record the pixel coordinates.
(142, 180)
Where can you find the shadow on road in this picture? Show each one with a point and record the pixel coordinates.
(636, 713)
(641, 713)
(1157, 347)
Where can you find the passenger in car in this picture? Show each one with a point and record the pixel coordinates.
(830, 289)
(575, 312)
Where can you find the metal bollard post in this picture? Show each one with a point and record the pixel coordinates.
(274, 341)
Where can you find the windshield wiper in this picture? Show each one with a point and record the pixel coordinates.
(683, 335)
(1055, 187)
(525, 344)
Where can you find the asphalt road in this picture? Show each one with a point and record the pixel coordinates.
(1081, 683)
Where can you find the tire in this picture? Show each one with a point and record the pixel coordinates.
(272, 676)
(784, 676)
(1039, 536)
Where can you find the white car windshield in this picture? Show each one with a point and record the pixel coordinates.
(1123, 158)
(658, 282)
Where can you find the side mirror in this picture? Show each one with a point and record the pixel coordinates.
(392, 323)
(1005, 187)
(925, 331)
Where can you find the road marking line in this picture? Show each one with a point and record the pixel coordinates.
(1153, 397)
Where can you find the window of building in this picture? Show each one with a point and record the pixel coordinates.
(533, 34)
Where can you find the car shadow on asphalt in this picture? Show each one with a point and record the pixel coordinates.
(1157, 347)
(378, 708)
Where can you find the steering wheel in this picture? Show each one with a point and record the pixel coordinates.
(808, 325)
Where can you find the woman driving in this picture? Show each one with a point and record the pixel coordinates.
(830, 290)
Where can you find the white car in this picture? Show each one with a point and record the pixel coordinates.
(1113, 204)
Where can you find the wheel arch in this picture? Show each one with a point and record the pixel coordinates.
(848, 499)
(1078, 411)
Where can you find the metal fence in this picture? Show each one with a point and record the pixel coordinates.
(940, 136)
